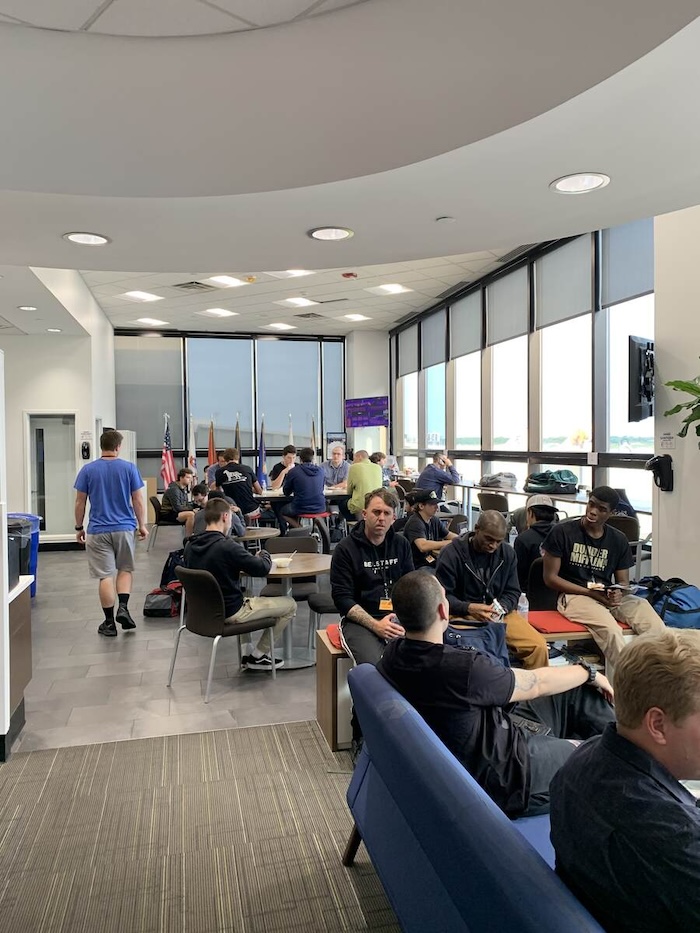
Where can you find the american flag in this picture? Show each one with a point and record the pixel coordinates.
(167, 464)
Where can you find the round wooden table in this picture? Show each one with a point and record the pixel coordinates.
(257, 534)
(302, 565)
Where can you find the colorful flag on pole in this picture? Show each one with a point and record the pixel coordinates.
(262, 466)
(291, 433)
(313, 435)
(237, 435)
(192, 449)
(167, 464)
(211, 455)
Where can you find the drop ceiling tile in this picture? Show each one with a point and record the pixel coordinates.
(68, 14)
(161, 18)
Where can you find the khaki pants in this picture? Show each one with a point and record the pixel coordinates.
(527, 645)
(602, 622)
(282, 608)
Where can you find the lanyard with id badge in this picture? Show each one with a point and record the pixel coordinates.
(385, 603)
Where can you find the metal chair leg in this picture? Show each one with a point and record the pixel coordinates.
(352, 847)
(152, 537)
(177, 645)
(240, 653)
(314, 621)
(211, 667)
(272, 655)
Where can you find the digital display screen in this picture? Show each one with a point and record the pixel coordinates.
(367, 412)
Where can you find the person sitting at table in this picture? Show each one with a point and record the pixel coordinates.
(477, 570)
(280, 470)
(305, 484)
(363, 477)
(199, 523)
(541, 513)
(176, 506)
(426, 533)
(437, 475)
(239, 482)
(335, 470)
(212, 468)
(380, 458)
(226, 560)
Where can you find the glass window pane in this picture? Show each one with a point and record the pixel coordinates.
(509, 395)
(507, 307)
(563, 283)
(520, 468)
(638, 485)
(333, 382)
(408, 350)
(566, 385)
(635, 318)
(433, 339)
(467, 371)
(148, 376)
(234, 358)
(409, 431)
(628, 261)
(469, 470)
(465, 325)
(288, 383)
(435, 406)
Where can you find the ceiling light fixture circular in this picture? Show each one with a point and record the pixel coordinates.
(87, 239)
(580, 183)
(331, 233)
(26, 308)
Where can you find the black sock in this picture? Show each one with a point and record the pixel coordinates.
(123, 600)
(109, 613)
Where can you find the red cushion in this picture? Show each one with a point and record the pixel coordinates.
(549, 621)
(333, 632)
(313, 515)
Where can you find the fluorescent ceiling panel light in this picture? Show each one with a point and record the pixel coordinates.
(217, 312)
(226, 281)
(26, 308)
(53, 330)
(290, 273)
(297, 302)
(580, 183)
(280, 326)
(151, 321)
(330, 233)
(140, 296)
(87, 239)
(356, 317)
(391, 289)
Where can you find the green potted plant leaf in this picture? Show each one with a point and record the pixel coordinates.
(692, 405)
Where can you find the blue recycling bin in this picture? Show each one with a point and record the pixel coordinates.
(35, 522)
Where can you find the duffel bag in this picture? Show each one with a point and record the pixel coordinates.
(677, 602)
(163, 602)
(552, 482)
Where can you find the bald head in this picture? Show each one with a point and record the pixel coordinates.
(360, 455)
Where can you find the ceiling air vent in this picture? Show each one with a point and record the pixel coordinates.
(310, 316)
(195, 287)
(333, 301)
(448, 293)
(515, 253)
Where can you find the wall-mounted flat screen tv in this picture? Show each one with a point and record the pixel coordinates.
(641, 378)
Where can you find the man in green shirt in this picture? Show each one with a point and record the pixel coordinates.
(363, 477)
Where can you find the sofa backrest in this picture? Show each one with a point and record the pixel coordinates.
(430, 804)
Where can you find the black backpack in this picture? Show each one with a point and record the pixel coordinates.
(173, 560)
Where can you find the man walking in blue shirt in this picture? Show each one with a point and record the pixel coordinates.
(114, 488)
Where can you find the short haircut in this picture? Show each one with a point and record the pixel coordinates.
(386, 495)
(185, 471)
(306, 455)
(338, 447)
(543, 513)
(201, 489)
(110, 440)
(416, 597)
(361, 455)
(216, 494)
(494, 521)
(231, 454)
(377, 457)
(607, 495)
(437, 457)
(214, 510)
(289, 449)
(661, 670)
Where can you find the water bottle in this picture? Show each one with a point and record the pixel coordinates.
(523, 606)
(512, 536)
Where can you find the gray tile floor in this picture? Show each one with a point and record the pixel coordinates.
(87, 688)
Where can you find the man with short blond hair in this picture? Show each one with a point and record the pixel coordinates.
(626, 832)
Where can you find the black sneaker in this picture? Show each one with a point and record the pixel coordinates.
(124, 618)
(244, 660)
(107, 628)
(262, 664)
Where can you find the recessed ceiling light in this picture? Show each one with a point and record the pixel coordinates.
(445, 220)
(580, 183)
(297, 302)
(357, 317)
(391, 289)
(26, 308)
(290, 273)
(226, 281)
(151, 321)
(217, 312)
(53, 330)
(280, 326)
(330, 233)
(87, 239)
(141, 296)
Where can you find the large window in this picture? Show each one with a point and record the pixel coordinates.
(333, 381)
(467, 381)
(566, 385)
(435, 406)
(148, 377)
(636, 318)
(409, 432)
(287, 387)
(509, 394)
(225, 398)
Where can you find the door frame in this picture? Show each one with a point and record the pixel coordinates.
(27, 415)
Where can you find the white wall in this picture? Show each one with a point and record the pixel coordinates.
(677, 338)
(367, 375)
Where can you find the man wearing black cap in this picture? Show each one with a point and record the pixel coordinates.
(541, 513)
(425, 531)
(580, 559)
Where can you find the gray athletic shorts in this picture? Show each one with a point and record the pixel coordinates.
(110, 552)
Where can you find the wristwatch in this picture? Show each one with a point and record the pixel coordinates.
(592, 672)
(79, 527)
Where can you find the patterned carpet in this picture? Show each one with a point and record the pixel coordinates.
(239, 830)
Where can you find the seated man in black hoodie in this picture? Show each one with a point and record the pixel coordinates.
(541, 515)
(364, 568)
(480, 568)
(226, 560)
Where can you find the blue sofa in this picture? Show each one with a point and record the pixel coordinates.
(448, 858)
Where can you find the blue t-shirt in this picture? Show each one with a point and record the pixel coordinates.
(109, 484)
